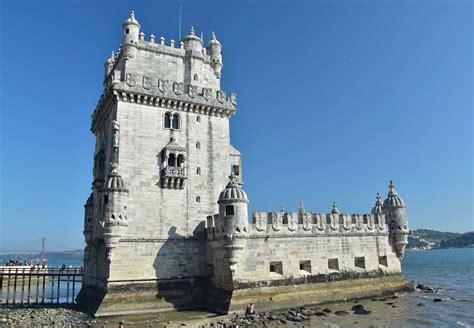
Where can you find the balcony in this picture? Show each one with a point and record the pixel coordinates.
(174, 177)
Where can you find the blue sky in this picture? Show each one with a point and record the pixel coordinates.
(335, 99)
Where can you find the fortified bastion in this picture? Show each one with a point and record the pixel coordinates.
(167, 226)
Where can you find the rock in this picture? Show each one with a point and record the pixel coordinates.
(437, 300)
(320, 314)
(359, 309)
(389, 303)
(292, 313)
(421, 304)
(424, 288)
(340, 312)
(282, 320)
(327, 310)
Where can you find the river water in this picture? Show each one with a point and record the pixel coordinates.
(449, 271)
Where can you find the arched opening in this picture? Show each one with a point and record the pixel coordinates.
(198, 199)
(195, 77)
(198, 171)
(172, 160)
(175, 123)
(198, 118)
(198, 145)
(180, 160)
(167, 120)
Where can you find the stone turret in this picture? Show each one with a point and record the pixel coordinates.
(131, 29)
(395, 209)
(192, 42)
(131, 34)
(114, 222)
(214, 50)
(233, 219)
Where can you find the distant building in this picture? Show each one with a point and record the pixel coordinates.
(167, 226)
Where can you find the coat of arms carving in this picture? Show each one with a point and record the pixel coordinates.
(163, 85)
(178, 88)
(147, 82)
(130, 79)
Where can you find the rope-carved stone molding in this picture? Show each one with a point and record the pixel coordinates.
(175, 101)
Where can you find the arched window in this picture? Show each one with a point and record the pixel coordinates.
(198, 199)
(172, 160)
(195, 77)
(167, 120)
(198, 171)
(175, 123)
(198, 145)
(180, 161)
(198, 118)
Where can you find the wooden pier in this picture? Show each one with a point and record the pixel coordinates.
(31, 285)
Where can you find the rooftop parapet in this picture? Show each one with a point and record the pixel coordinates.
(292, 223)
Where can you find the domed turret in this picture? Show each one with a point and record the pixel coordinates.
(131, 29)
(114, 181)
(233, 212)
(377, 209)
(395, 209)
(214, 50)
(191, 41)
(233, 220)
(115, 200)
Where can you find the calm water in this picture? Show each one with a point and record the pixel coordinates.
(449, 271)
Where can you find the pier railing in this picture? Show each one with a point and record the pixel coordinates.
(25, 285)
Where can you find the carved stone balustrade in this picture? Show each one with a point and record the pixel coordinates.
(174, 177)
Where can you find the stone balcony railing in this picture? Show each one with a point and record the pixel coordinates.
(174, 172)
(174, 177)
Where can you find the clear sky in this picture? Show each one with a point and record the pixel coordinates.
(335, 98)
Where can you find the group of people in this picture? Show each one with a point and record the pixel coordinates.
(19, 263)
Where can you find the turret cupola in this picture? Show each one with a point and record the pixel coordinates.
(392, 197)
(131, 29)
(233, 192)
(114, 181)
(214, 50)
(191, 41)
(377, 209)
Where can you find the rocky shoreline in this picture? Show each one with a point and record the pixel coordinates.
(333, 314)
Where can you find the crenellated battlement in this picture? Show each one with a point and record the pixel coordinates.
(294, 223)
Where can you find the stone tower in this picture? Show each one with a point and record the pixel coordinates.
(162, 157)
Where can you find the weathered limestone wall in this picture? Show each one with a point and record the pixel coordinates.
(158, 259)
(155, 211)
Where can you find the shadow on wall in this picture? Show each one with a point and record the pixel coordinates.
(182, 271)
